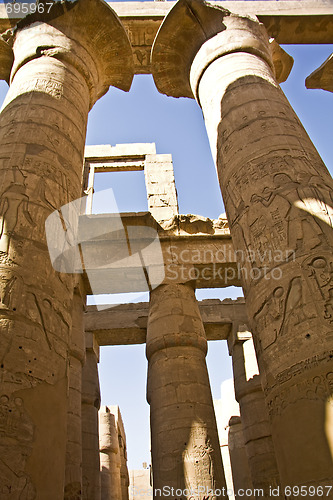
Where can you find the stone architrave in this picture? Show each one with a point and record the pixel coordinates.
(278, 198)
(254, 414)
(186, 454)
(64, 61)
(91, 402)
(73, 473)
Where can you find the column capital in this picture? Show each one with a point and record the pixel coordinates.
(195, 33)
(322, 77)
(6, 60)
(240, 333)
(87, 34)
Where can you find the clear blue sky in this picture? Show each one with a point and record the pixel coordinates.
(176, 126)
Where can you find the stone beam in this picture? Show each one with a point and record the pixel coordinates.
(286, 21)
(126, 324)
(186, 248)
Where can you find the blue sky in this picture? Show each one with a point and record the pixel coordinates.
(176, 126)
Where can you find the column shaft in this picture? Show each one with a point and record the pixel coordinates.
(185, 447)
(60, 69)
(73, 474)
(255, 422)
(91, 481)
(109, 456)
(43, 124)
(277, 194)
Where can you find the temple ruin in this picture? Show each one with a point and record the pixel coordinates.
(59, 58)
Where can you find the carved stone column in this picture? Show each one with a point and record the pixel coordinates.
(278, 197)
(241, 476)
(62, 65)
(109, 456)
(91, 400)
(254, 414)
(185, 447)
(73, 474)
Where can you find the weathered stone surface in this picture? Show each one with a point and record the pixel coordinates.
(113, 455)
(185, 446)
(127, 323)
(73, 473)
(284, 20)
(59, 70)
(322, 77)
(277, 194)
(282, 61)
(256, 427)
(140, 487)
(6, 60)
(239, 462)
(91, 400)
(172, 55)
(183, 254)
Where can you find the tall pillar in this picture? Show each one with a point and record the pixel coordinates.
(278, 198)
(254, 414)
(110, 461)
(73, 473)
(241, 476)
(91, 400)
(63, 63)
(185, 447)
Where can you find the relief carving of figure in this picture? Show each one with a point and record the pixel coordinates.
(12, 199)
(16, 439)
(304, 229)
(320, 278)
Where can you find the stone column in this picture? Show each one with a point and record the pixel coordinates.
(91, 400)
(185, 447)
(241, 476)
(62, 65)
(254, 414)
(278, 198)
(73, 474)
(110, 461)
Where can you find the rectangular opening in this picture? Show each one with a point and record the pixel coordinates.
(128, 188)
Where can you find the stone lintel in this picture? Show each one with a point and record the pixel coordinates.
(188, 248)
(158, 172)
(322, 77)
(126, 324)
(108, 152)
(284, 20)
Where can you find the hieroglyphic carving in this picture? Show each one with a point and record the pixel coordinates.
(16, 439)
(13, 198)
(142, 35)
(283, 309)
(319, 387)
(319, 274)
